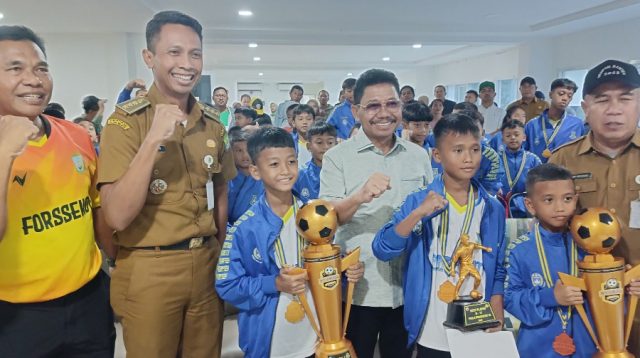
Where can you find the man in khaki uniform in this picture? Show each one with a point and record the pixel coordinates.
(533, 106)
(163, 176)
(606, 162)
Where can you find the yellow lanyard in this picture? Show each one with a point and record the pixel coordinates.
(547, 274)
(290, 215)
(443, 229)
(556, 130)
(513, 182)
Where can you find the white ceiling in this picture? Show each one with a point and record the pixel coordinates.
(334, 34)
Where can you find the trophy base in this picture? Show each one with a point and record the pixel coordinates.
(624, 354)
(466, 316)
(341, 349)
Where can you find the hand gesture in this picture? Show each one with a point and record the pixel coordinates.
(290, 282)
(375, 186)
(634, 286)
(165, 120)
(137, 83)
(431, 203)
(355, 272)
(567, 295)
(15, 133)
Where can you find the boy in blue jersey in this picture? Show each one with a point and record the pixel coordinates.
(255, 271)
(513, 113)
(516, 163)
(303, 118)
(427, 227)
(554, 127)
(342, 116)
(243, 190)
(533, 292)
(322, 137)
(416, 118)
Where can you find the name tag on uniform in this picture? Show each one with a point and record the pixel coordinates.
(582, 176)
(210, 196)
(634, 216)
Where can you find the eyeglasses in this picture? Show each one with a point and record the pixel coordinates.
(374, 108)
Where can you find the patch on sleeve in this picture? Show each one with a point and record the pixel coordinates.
(118, 122)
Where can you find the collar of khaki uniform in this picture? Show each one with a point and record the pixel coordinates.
(587, 144)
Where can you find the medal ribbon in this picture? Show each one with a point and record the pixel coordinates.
(299, 245)
(555, 132)
(547, 274)
(443, 230)
(513, 182)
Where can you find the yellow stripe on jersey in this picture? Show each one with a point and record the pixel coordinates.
(48, 249)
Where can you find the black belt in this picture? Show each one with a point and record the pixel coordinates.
(188, 244)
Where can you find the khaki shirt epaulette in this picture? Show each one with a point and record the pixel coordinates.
(567, 144)
(133, 105)
(209, 111)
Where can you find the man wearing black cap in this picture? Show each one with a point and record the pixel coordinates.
(532, 105)
(606, 162)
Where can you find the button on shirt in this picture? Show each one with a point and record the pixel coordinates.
(345, 169)
(611, 183)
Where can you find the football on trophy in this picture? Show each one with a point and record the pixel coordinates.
(595, 230)
(317, 222)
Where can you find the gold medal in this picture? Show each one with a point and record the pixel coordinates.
(447, 292)
(563, 344)
(546, 153)
(295, 312)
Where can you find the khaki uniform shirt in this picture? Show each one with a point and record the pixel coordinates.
(532, 109)
(611, 183)
(176, 205)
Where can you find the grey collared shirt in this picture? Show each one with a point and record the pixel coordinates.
(345, 169)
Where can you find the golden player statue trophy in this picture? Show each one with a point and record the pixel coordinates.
(603, 277)
(468, 312)
(317, 222)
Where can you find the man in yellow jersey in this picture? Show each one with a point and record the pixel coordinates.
(163, 178)
(54, 298)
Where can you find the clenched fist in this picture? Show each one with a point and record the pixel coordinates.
(165, 120)
(431, 203)
(375, 186)
(15, 133)
(290, 280)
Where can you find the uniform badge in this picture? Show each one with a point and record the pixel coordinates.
(536, 280)
(638, 179)
(536, 141)
(305, 193)
(78, 163)
(611, 291)
(253, 200)
(573, 135)
(329, 278)
(211, 143)
(418, 228)
(158, 186)
(345, 121)
(256, 255)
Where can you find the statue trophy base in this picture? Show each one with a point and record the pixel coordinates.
(468, 314)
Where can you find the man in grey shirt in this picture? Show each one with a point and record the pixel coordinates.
(367, 178)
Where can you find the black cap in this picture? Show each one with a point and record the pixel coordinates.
(611, 71)
(528, 80)
(90, 103)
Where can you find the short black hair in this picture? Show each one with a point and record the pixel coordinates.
(245, 95)
(154, 26)
(409, 87)
(296, 87)
(21, 33)
(373, 77)
(304, 108)
(441, 86)
(349, 83)
(434, 101)
(220, 88)
(528, 80)
(546, 172)
(565, 83)
(456, 123)
(90, 103)
(474, 92)
(511, 124)
(236, 135)
(321, 128)
(264, 120)
(247, 112)
(292, 107)
(465, 106)
(475, 116)
(268, 137)
(55, 109)
(416, 112)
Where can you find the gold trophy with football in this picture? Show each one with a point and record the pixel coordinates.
(317, 222)
(466, 312)
(604, 278)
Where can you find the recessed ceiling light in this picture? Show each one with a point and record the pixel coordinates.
(257, 59)
(260, 74)
(349, 74)
(245, 13)
(417, 46)
(386, 59)
(1, 15)
(253, 45)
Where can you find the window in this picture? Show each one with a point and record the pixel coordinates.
(506, 91)
(576, 76)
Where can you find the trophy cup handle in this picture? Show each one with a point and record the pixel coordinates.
(305, 304)
(578, 282)
(352, 258)
(633, 302)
